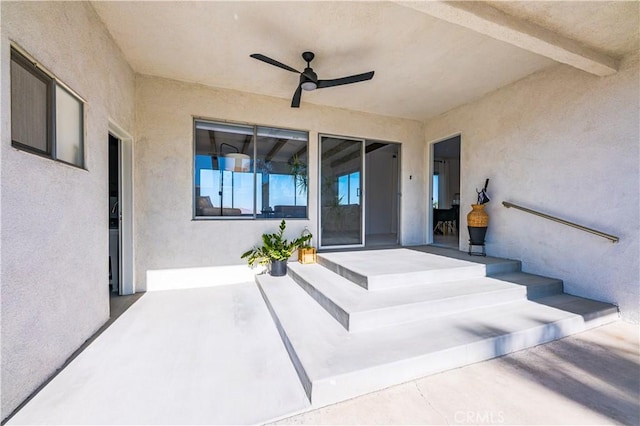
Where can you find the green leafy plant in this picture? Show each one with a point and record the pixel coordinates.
(274, 247)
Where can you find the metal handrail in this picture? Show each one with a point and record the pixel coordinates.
(612, 238)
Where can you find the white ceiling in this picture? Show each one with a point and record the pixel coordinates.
(423, 66)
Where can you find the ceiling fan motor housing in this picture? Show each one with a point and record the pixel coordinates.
(308, 79)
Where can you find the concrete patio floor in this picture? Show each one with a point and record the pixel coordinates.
(592, 378)
(196, 356)
(213, 356)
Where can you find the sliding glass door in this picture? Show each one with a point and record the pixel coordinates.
(341, 192)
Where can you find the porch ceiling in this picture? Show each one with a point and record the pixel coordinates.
(424, 65)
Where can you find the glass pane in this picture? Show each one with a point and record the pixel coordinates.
(343, 190)
(239, 195)
(69, 128)
(282, 190)
(341, 210)
(354, 188)
(282, 173)
(223, 170)
(435, 191)
(28, 108)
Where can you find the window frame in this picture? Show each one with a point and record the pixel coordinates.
(254, 157)
(81, 124)
(32, 66)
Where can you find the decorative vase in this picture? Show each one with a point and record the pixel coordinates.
(278, 268)
(477, 222)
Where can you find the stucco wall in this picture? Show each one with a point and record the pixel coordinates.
(565, 143)
(54, 278)
(166, 237)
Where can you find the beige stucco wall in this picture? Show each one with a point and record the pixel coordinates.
(54, 278)
(566, 143)
(167, 238)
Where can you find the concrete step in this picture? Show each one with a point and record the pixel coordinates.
(358, 309)
(537, 286)
(383, 269)
(335, 365)
(493, 265)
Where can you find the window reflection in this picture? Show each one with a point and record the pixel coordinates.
(341, 208)
(349, 189)
(282, 165)
(235, 178)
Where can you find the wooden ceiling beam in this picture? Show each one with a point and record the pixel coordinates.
(302, 151)
(276, 148)
(373, 146)
(347, 158)
(212, 140)
(246, 143)
(337, 149)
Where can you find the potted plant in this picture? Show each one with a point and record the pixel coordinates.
(274, 251)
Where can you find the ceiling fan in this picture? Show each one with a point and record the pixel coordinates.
(309, 79)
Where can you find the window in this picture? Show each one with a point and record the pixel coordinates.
(46, 118)
(31, 93)
(349, 189)
(436, 196)
(69, 128)
(249, 171)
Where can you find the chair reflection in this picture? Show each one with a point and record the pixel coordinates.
(446, 221)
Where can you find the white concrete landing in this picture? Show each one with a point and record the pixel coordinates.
(199, 356)
(359, 309)
(381, 269)
(493, 265)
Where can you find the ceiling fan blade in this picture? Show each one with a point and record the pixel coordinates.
(345, 80)
(295, 102)
(273, 62)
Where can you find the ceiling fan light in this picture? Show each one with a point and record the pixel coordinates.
(309, 85)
